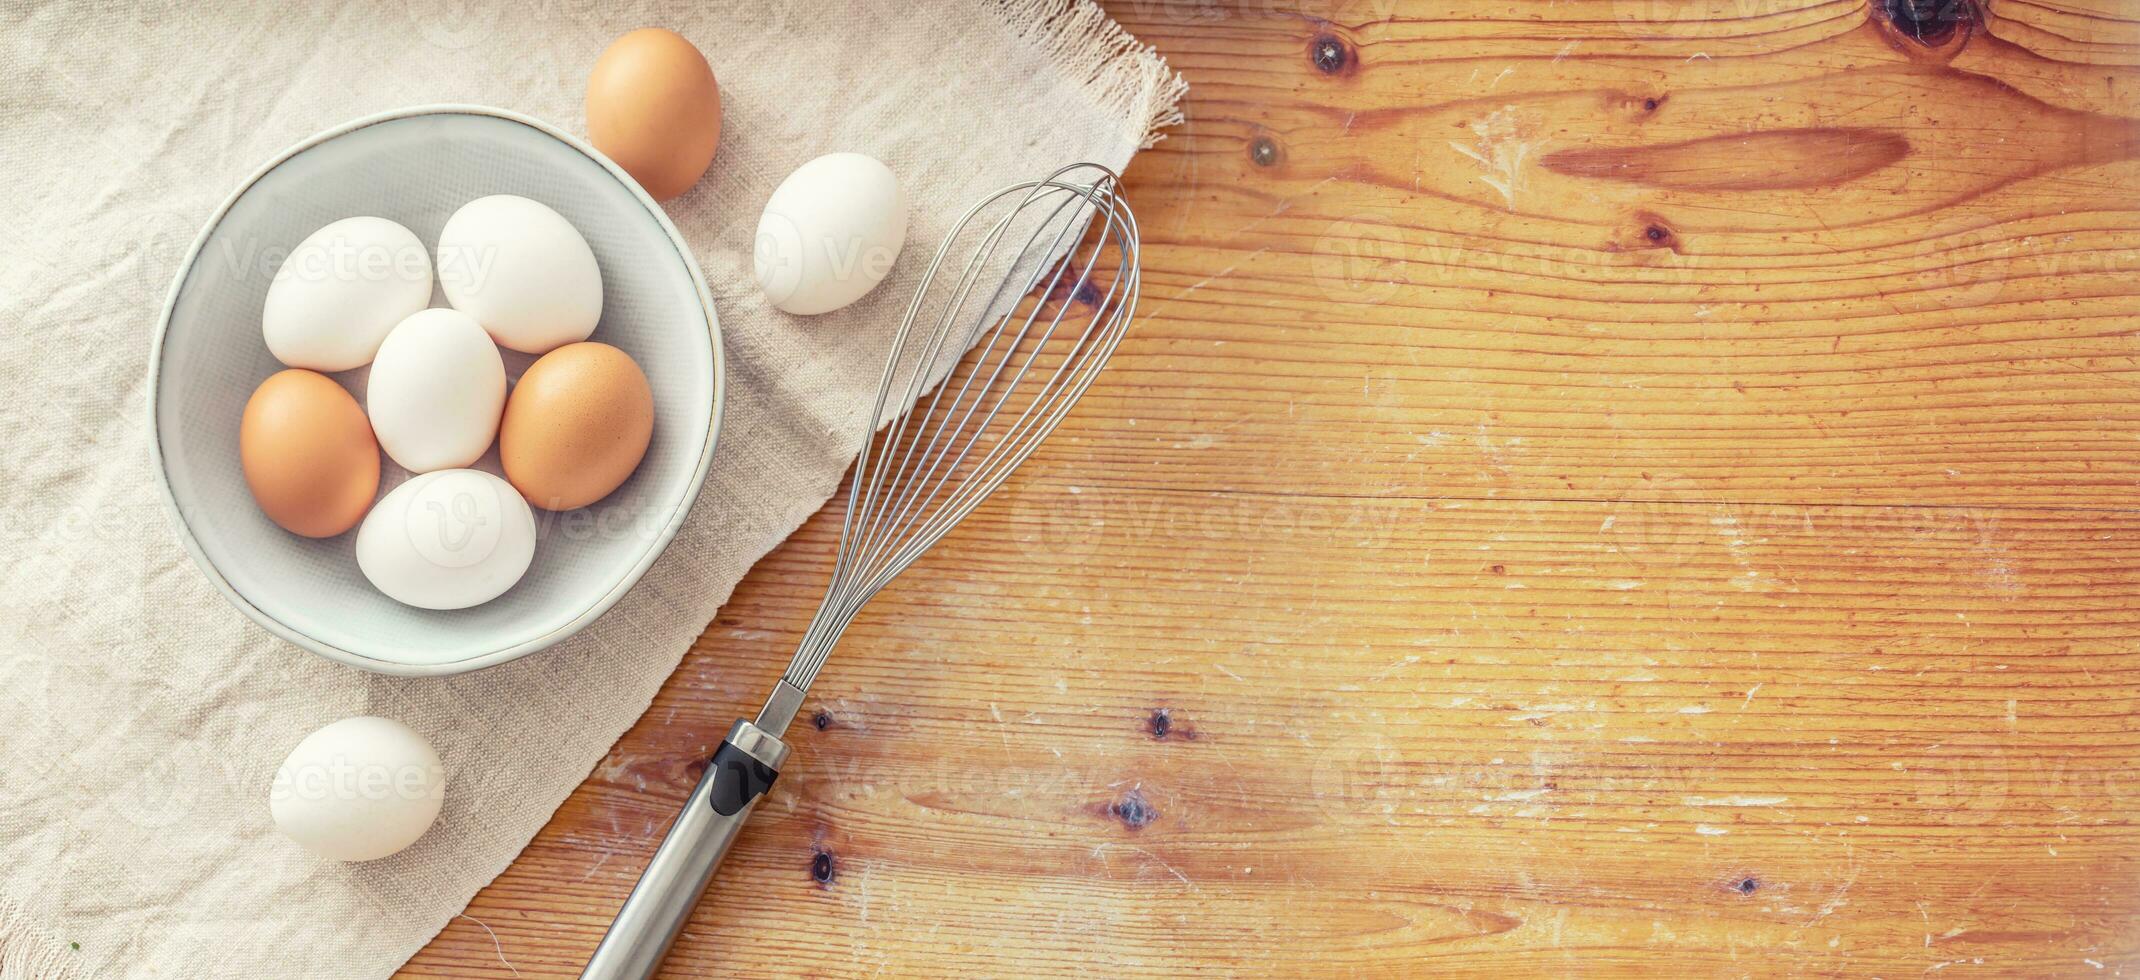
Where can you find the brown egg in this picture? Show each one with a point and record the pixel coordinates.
(653, 106)
(308, 454)
(575, 426)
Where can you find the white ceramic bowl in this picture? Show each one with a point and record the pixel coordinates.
(417, 166)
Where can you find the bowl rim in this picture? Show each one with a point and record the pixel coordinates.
(616, 591)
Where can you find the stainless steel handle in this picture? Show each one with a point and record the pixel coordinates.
(740, 773)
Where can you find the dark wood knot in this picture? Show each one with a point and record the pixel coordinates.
(1134, 811)
(1329, 53)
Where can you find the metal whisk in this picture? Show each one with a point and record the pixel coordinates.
(1011, 362)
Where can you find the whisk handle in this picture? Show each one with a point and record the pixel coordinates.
(738, 776)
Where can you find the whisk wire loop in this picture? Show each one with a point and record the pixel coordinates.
(1016, 377)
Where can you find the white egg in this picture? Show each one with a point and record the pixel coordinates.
(448, 539)
(830, 233)
(522, 271)
(358, 790)
(341, 290)
(436, 391)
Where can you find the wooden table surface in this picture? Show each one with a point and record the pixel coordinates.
(1596, 487)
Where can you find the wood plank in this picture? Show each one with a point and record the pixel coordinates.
(1524, 745)
(1950, 325)
(1452, 576)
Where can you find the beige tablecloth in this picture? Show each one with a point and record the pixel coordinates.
(142, 718)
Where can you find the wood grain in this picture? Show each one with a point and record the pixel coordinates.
(1609, 487)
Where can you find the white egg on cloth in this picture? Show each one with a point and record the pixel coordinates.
(341, 290)
(829, 234)
(522, 271)
(448, 539)
(359, 789)
(436, 391)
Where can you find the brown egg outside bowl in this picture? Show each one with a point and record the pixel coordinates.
(653, 107)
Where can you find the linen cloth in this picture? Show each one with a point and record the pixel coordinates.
(141, 717)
